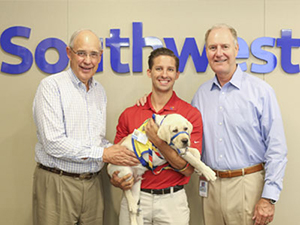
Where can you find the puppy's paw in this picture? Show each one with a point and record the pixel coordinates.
(199, 173)
(209, 174)
(133, 208)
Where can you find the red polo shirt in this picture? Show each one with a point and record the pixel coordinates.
(134, 116)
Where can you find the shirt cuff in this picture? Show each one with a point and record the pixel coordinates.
(96, 153)
(271, 192)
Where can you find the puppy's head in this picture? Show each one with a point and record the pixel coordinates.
(175, 129)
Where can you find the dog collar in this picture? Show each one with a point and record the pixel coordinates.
(174, 136)
(154, 118)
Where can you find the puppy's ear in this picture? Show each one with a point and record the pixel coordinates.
(164, 133)
(190, 127)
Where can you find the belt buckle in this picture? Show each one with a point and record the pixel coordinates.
(85, 176)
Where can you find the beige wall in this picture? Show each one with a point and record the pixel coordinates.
(160, 18)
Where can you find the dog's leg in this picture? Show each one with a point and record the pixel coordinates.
(133, 197)
(131, 200)
(132, 206)
(136, 190)
(193, 157)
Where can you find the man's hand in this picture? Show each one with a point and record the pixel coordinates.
(124, 183)
(142, 101)
(264, 212)
(151, 131)
(119, 155)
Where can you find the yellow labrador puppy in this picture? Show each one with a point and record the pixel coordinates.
(173, 129)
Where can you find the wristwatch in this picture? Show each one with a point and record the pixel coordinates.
(273, 202)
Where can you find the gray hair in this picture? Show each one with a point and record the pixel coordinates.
(76, 33)
(222, 25)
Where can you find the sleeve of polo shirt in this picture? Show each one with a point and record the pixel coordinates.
(122, 128)
(195, 118)
(274, 138)
(48, 116)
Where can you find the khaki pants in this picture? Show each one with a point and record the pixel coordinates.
(63, 200)
(231, 201)
(168, 209)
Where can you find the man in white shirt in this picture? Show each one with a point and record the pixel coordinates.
(70, 114)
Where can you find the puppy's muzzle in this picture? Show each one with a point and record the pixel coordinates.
(185, 142)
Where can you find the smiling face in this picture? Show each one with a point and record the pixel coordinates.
(84, 67)
(221, 51)
(163, 73)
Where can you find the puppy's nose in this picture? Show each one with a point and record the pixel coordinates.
(184, 141)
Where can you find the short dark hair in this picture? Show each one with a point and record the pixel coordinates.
(162, 51)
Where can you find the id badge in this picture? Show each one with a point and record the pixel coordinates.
(139, 136)
(203, 187)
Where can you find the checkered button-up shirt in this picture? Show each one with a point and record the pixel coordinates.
(71, 123)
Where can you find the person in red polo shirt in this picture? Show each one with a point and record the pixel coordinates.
(163, 199)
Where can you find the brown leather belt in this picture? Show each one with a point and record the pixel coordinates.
(83, 176)
(163, 191)
(240, 172)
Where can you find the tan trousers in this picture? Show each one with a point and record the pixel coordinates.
(63, 200)
(231, 201)
(168, 209)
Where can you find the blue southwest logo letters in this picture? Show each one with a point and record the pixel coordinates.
(116, 43)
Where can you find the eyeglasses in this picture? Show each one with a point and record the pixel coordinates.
(84, 54)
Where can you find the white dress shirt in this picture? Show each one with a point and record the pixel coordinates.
(71, 123)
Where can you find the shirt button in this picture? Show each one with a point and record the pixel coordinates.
(220, 123)
(221, 107)
(220, 139)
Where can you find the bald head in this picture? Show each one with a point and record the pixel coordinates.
(83, 33)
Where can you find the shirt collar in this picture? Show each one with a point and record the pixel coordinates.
(170, 106)
(235, 81)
